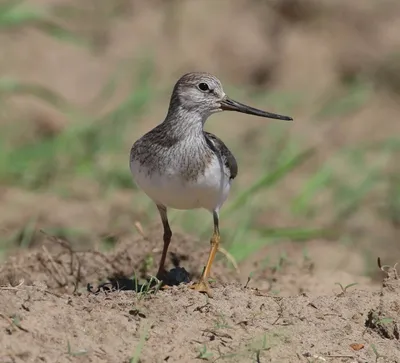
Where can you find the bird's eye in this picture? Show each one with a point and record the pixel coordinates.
(203, 87)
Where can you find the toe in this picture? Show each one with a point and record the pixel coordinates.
(203, 287)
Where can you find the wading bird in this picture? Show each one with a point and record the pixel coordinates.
(181, 166)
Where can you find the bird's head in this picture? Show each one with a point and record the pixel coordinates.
(202, 93)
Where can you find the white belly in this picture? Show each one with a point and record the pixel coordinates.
(168, 188)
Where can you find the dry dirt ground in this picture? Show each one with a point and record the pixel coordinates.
(290, 311)
(49, 313)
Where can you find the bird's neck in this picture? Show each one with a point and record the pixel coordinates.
(185, 123)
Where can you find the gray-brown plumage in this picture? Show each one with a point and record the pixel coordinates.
(181, 166)
(227, 158)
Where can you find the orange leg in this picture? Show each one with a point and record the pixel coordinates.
(202, 285)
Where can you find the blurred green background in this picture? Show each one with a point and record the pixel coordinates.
(82, 80)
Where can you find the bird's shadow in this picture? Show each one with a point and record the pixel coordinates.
(149, 284)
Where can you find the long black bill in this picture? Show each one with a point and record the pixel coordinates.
(230, 105)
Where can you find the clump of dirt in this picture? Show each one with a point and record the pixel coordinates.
(62, 268)
(44, 318)
(384, 319)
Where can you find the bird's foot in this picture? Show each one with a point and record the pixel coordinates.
(202, 286)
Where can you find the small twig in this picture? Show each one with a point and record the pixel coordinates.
(217, 334)
(230, 258)
(51, 293)
(10, 288)
(21, 282)
(16, 288)
(12, 323)
(280, 312)
(113, 264)
(386, 268)
(78, 275)
(56, 269)
(339, 356)
(64, 244)
(7, 319)
(73, 255)
(140, 229)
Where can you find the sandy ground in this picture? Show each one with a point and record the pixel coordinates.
(291, 310)
(49, 313)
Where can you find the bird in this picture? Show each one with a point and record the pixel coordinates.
(181, 166)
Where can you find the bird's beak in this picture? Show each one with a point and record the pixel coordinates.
(228, 104)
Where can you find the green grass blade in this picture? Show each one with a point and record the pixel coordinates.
(108, 90)
(352, 197)
(57, 31)
(315, 183)
(269, 180)
(16, 14)
(10, 87)
(139, 347)
(355, 96)
(297, 234)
